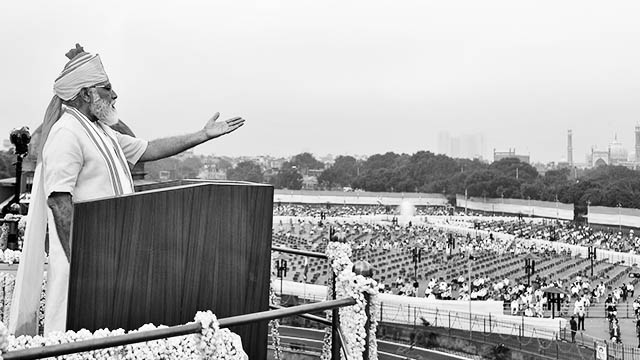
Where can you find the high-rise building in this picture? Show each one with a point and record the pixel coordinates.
(444, 143)
(570, 148)
(470, 146)
(455, 148)
(637, 157)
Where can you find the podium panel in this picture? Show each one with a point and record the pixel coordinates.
(160, 256)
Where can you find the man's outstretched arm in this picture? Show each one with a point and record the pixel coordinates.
(162, 148)
(62, 209)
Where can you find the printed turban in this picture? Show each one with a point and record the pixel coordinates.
(85, 70)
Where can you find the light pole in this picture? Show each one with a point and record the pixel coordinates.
(619, 217)
(417, 257)
(469, 259)
(557, 211)
(592, 256)
(530, 208)
(529, 268)
(466, 201)
(588, 204)
(502, 196)
(281, 267)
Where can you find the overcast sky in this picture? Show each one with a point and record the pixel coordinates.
(342, 77)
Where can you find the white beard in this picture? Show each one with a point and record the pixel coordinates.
(103, 110)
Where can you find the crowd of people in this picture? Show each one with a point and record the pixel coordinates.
(334, 210)
(528, 300)
(577, 296)
(568, 232)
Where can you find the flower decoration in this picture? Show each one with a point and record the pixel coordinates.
(274, 327)
(212, 343)
(353, 319)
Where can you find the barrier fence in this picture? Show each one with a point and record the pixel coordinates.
(358, 198)
(532, 208)
(614, 216)
(488, 331)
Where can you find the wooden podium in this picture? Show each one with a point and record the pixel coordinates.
(159, 256)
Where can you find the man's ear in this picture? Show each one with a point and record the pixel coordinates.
(85, 96)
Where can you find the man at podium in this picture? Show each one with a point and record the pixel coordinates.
(80, 158)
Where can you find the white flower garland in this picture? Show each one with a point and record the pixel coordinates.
(4, 235)
(274, 326)
(353, 318)
(326, 345)
(9, 256)
(7, 285)
(211, 343)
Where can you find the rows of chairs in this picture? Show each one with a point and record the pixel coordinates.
(436, 264)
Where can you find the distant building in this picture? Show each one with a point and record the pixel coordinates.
(616, 155)
(444, 143)
(455, 148)
(309, 182)
(469, 146)
(511, 154)
(212, 172)
(570, 148)
(314, 172)
(637, 157)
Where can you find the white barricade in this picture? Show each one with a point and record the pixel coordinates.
(486, 315)
(614, 216)
(358, 198)
(547, 209)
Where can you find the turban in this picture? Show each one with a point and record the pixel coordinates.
(83, 70)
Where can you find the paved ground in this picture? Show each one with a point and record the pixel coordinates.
(599, 328)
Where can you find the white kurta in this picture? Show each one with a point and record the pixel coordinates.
(72, 163)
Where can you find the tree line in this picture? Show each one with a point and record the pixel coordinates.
(427, 172)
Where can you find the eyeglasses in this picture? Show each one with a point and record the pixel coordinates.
(106, 87)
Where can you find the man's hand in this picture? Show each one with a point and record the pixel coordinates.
(214, 128)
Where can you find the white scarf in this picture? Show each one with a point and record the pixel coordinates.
(23, 319)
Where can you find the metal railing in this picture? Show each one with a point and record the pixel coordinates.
(179, 330)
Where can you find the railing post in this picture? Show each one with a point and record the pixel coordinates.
(490, 332)
(436, 320)
(367, 325)
(335, 324)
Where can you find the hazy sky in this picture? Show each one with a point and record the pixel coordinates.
(342, 77)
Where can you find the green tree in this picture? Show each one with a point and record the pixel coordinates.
(189, 168)
(287, 178)
(306, 161)
(7, 169)
(246, 171)
(342, 173)
(170, 164)
(512, 167)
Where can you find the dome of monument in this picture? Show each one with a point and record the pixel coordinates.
(617, 152)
